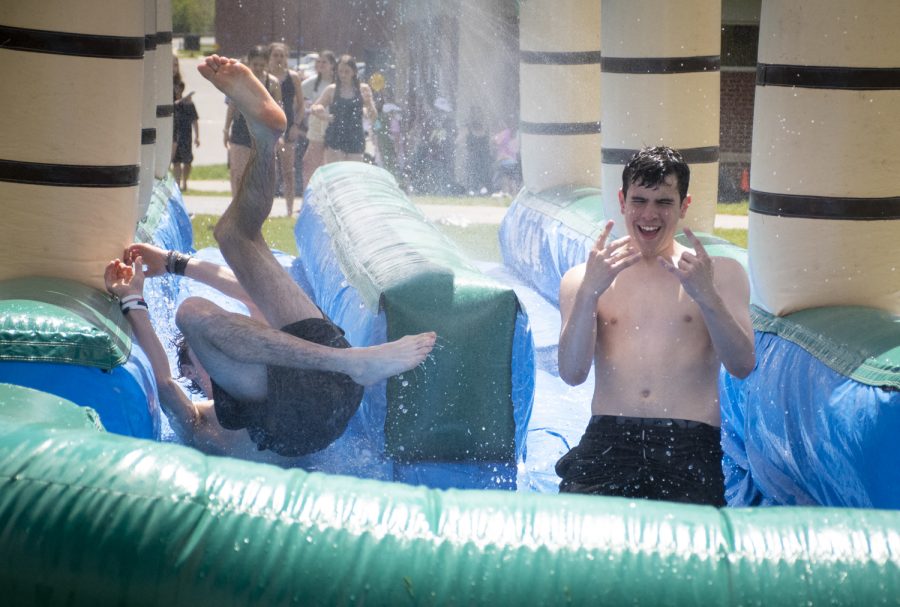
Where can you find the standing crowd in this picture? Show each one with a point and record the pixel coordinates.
(334, 115)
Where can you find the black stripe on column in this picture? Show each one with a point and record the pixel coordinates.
(148, 136)
(559, 58)
(621, 156)
(559, 128)
(68, 43)
(163, 37)
(164, 111)
(69, 175)
(824, 207)
(660, 65)
(150, 42)
(818, 77)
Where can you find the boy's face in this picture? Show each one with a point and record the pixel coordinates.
(258, 66)
(652, 215)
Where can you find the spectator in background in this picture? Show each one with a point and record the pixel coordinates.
(478, 154)
(387, 137)
(185, 123)
(507, 175)
(294, 108)
(237, 135)
(313, 87)
(176, 71)
(342, 106)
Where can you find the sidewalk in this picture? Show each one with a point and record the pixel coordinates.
(458, 215)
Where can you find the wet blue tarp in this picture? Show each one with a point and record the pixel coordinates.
(796, 432)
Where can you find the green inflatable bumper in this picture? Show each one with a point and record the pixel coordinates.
(90, 518)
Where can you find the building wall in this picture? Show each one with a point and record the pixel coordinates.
(740, 36)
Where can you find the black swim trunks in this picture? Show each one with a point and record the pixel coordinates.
(305, 410)
(660, 459)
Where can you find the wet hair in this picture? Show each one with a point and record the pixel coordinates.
(178, 86)
(350, 61)
(649, 167)
(258, 51)
(330, 58)
(184, 360)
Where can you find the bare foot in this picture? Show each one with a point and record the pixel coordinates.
(372, 364)
(264, 117)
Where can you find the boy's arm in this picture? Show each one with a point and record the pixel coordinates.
(721, 289)
(221, 278)
(194, 423)
(126, 283)
(579, 293)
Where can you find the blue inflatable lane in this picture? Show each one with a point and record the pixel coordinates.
(799, 431)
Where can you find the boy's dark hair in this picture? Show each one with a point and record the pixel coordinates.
(650, 166)
(184, 360)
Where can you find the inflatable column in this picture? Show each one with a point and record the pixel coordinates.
(164, 106)
(559, 87)
(70, 152)
(661, 87)
(825, 200)
(148, 117)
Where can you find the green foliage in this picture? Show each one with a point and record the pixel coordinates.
(193, 16)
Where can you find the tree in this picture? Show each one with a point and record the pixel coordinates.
(193, 16)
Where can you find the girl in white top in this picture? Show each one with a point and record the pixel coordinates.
(312, 90)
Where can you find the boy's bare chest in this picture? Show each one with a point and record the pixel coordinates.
(657, 310)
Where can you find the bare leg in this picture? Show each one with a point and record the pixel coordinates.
(238, 159)
(312, 159)
(238, 232)
(332, 155)
(176, 173)
(280, 299)
(286, 161)
(236, 349)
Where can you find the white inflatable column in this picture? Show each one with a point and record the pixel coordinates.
(825, 195)
(164, 106)
(70, 150)
(661, 87)
(148, 117)
(559, 89)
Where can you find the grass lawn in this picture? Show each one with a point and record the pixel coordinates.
(210, 171)
(737, 236)
(478, 241)
(278, 232)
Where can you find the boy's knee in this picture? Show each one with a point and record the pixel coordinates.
(224, 231)
(192, 312)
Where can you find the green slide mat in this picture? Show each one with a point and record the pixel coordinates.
(61, 321)
(90, 518)
(460, 407)
(857, 342)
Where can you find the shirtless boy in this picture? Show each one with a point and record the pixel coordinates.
(657, 320)
(283, 382)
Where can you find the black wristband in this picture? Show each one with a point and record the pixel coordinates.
(176, 262)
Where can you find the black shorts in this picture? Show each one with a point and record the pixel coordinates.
(305, 410)
(660, 459)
